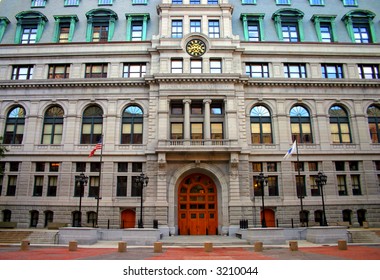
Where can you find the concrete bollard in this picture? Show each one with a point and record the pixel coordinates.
(73, 245)
(342, 244)
(258, 246)
(293, 245)
(158, 247)
(122, 247)
(208, 247)
(25, 245)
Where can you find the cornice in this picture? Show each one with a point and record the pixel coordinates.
(189, 79)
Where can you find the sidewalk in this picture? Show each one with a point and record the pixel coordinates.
(109, 251)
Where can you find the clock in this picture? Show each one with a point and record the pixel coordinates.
(196, 47)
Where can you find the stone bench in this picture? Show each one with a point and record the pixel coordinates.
(8, 224)
(56, 225)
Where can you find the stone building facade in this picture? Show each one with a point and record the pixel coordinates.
(201, 97)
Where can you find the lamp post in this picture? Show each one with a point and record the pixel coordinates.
(262, 179)
(142, 181)
(321, 180)
(82, 179)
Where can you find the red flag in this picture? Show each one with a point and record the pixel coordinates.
(97, 147)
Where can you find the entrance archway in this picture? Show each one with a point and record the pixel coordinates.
(197, 206)
(128, 219)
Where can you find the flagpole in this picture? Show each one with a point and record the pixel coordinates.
(100, 180)
(299, 183)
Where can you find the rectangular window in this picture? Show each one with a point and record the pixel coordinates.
(40, 166)
(313, 166)
(213, 29)
(176, 28)
(22, 72)
(290, 32)
(253, 31)
(176, 131)
(248, 2)
(95, 166)
(299, 165)
(195, 26)
(137, 166)
(195, 66)
(196, 108)
(136, 189)
(1, 183)
(122, 167)
(134, 70)
(354, 165)
(215, 66)
(339, 165)
(94, 70)
(80, 167)
(139, 2)
(217, 131)
(100, 32)
(283, 2)
(342, 187)
(315, 191)
(257, 70)
(361, 33)
(121, 188)
(257, 166)
(137, 30)
(93, 190)
(301, 186)
(105, 2)
(176, 109)
(11, 189)
(29, 34)
(177, 66)
(178, 2)
(38, 185)
(212, 2)
(326, 34)
(195, 2)
(71, 2)
(295, 70)
(64, 32)
(350, 3)
(54, 166)
(272, 166)
(272, 186)
(368, 71)
(332, 71)
(14, 166)
(196, 131)
(38, 3)
(355, 182)
(317, 2)
(257, 188)
(59, 71)
(52, 186)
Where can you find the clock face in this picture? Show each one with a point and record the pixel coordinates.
(196, 47)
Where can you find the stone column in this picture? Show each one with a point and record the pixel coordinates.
(207, 122)
(186, 132)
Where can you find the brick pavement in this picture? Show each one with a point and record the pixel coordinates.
(175, 253)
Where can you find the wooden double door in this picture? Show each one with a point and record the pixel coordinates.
(197, 206)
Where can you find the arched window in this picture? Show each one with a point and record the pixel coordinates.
(132, 125)
(374, 123)
(360, 26)
(300, 125)
(339, 125)
(14, 130)
(34, 218)
(30, 26)
(53, 126)
(261, 125)
(92, 125)
(347, 213)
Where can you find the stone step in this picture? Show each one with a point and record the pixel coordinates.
(364, 236)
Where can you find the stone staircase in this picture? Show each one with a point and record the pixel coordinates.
(34, 236)
(199, 240)
(364, 236)
(13, 236)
